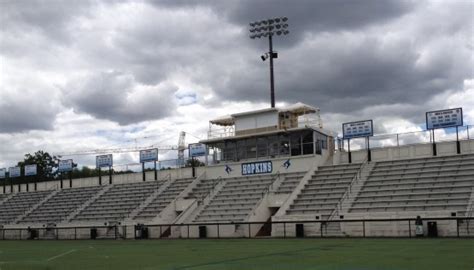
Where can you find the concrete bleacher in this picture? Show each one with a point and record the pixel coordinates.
(61, 205)
(163, 199)
(324, 190)
(425, 184)
(236, 199)
(118, 202)
(202, 189)
(3, 197)
(19, 203)
(290, 181)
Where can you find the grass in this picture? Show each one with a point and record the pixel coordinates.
(324, 254)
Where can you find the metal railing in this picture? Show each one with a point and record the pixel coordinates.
(348, 192)
(265, 191)
(409, 138)
(215, 182)
(282, 229)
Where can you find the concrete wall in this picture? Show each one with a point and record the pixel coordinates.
(94, 181)
(298, 164)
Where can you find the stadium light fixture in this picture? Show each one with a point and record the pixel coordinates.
(269, 28)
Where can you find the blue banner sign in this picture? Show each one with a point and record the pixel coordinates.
(197, 150)
(14, 172)
(444, 118)
(104, 161)
(3, 172)
(357, 129)
(257, 167)
(31, 170)
(65, 165)
(149, 155)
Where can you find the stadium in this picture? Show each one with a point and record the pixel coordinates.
(272, 173)
(284, 186)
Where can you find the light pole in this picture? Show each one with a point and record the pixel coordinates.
(269, 28)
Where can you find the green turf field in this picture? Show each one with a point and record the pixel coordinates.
(356, 254)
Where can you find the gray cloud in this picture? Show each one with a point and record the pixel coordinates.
(118, 97)
(24, 109)
(348, 71)
(305, 15)
(51, 18)
(385, 60)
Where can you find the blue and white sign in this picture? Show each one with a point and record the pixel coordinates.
(14, 172)
(149, 155)
(197, 150)
(31, 170)
(3, 172)
(444, 118)
(257, 167)
(358, 129)
(104, 161)
(65, 165)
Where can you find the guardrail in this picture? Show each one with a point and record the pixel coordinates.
(349, 190)
(410, 138)
(406, 229)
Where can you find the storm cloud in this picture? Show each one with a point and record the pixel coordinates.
(142, 65)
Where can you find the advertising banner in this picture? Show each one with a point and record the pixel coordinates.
(65, 165)
(104, 161)
(14, 172)
(444, 118)
(357, 129)
(149, 155)
(31, 170)
(197, 150)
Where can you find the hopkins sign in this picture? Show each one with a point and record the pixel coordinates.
(444, 118)
(104, 161)
(65, 165)
(257, 167)
(197, 150)
(31, 170)
(149, 155)
(357, 129)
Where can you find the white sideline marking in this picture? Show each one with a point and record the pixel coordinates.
(60, 255)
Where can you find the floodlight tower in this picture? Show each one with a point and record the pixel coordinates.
(269, 28)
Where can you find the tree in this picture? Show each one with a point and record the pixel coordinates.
(195, 162)
(45, 164)
(86, 172)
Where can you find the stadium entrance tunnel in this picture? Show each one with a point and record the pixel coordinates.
(141, 231)
(32, 234)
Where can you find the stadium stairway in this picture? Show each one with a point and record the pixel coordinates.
(352, 191)
(201, 194)
(36, 206)
(324, 190)
(5, 197)
(236, 199)
(18, 203)
(58, 206)
(87, 203)
(240, 198)
(163, 199)
(150, 199)
(117, 203)
(318, 196)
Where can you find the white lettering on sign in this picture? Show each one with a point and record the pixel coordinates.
(257, 167)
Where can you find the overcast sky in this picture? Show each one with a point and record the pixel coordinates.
(78, 75)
